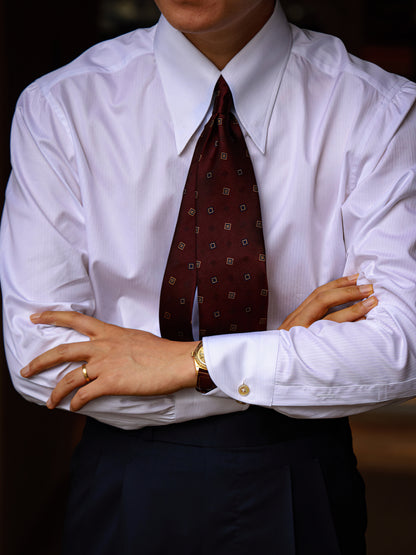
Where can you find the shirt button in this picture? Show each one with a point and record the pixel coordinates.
(243, 389)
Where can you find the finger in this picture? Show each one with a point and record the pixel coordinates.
(67, 352)
(93, 390)
(71, 381)
(342, 282)
(328, 298)
(87, 325)
(353, 313)
(318, 305)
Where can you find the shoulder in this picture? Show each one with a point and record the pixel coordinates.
(111, 59)
(325, 57)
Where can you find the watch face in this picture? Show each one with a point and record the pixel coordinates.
(201, 355)
(200, 358)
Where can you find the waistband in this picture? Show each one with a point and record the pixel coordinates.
(254, 427)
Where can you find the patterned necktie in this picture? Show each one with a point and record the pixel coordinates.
(218, 246)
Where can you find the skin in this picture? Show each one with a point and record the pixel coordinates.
(218, 28)
(133, 362)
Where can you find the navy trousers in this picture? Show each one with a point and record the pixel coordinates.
(250, 482)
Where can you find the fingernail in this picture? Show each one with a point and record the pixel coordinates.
(49, 403)
(353, 277)
(366, 289)
(24, 371)
(370, 302)
(35, 317)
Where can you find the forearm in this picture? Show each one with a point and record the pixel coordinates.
(121, 412)
(124, 412)
(326, 370)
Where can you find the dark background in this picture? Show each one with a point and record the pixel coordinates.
(35, 445)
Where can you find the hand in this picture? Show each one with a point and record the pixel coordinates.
(132, 362)
(119, 361)
(335, 293)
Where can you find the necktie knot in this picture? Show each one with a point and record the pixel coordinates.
(223, 98)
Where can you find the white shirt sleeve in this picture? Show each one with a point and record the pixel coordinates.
(45, 262)
(329, 369)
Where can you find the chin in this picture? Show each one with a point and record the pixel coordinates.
(193, 16)
(216, 18)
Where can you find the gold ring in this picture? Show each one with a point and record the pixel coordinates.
(85, 373)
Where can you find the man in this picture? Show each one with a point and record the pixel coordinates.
(102, 151)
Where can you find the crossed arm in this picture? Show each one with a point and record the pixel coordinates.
(133, 362)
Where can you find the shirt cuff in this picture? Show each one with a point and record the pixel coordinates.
(243, 365)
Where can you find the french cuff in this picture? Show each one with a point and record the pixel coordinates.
(243, 365)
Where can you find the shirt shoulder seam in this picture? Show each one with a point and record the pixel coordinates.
(82, 65)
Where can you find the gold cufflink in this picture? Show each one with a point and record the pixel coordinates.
(243, 389)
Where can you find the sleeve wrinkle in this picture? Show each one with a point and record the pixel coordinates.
(52, 141)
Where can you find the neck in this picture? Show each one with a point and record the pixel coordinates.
(221, 45)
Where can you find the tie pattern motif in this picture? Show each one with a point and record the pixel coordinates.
(218, 246)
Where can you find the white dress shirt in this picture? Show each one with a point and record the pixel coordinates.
(100, 153)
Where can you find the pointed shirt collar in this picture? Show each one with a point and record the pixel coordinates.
(253, 75)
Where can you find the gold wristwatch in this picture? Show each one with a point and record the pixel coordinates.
(203, 380)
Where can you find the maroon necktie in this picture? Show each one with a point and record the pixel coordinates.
(218, 245)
